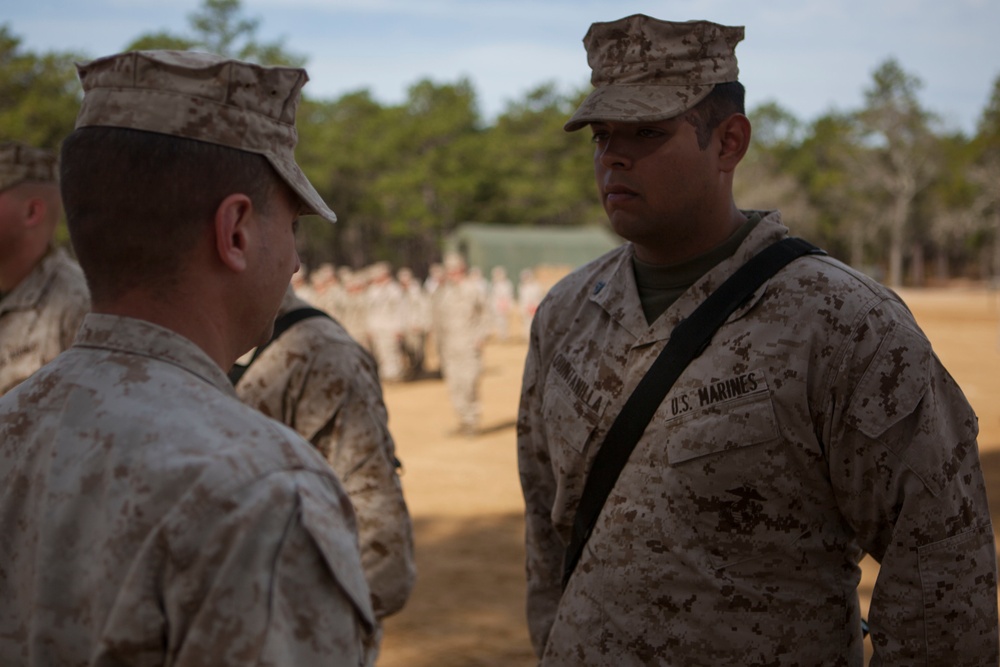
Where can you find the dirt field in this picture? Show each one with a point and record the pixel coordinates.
(467, 607)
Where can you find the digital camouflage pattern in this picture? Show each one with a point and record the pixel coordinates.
(149, 517)
(317, 379)
(645, 69)
(40, 317)
(20, 163)
(204, 97)
(819, 425)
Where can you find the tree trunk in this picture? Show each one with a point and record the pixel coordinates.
(995, 274)
(942, 270)
(858, 245)
(917, 268)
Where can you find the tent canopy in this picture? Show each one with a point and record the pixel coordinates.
(516, 248)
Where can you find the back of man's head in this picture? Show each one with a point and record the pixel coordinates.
(137, 202)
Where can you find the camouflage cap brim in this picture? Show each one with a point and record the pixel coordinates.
(636, 103)
(297, 180)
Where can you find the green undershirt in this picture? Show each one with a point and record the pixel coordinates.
(662, 284)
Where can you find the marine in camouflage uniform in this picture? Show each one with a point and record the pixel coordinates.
(501, 302)
(148, 516)
(354, 309)
(461, 324)
(384, 304)
(415, 314)
(315, 378)
(43, 294)
(817, 426)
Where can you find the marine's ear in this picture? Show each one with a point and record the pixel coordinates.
(233, 230)
(734, 133)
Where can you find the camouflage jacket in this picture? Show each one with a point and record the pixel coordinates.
(460, 313)
(817, 426)
(40, 317)
(149, 517)
(318, 380)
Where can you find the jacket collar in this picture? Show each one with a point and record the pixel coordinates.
(142, 338)
(616, 291)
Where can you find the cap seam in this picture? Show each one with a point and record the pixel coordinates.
(209, 100)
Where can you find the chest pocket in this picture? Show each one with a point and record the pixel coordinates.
(727, 466)
(731, 424)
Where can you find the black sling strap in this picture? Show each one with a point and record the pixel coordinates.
(688, 340)
(281, 325)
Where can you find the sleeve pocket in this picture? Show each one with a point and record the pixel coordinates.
(958, 578)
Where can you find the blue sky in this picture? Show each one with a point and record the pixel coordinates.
(811, 56)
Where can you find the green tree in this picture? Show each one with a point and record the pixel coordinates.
(220, 27)
(161, 40)
(39, 93)
(765, 180)
(953, 226)
(535, 173)
(903, 155)
(984, 173)
(399, 177)
(827, 163)
(431, 144)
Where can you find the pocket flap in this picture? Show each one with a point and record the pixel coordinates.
(334, 540)
(893, 384)
(732, 424)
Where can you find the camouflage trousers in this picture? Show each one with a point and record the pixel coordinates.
(462, 368)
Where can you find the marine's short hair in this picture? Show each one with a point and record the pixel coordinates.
(137, 202)
(725, 100)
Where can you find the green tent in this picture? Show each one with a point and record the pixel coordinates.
(515, 248)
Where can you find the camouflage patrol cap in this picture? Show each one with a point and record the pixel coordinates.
(19, 163)
(644, 69)
(204, 97)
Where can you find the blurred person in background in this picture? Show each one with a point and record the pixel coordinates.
(416, 320)
(501, 302)
(461, 320)
(43, 294)
(529, 294)
(385, 322)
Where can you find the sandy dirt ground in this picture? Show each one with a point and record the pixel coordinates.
(468, 605)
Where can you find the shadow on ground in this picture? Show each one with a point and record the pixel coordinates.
(475, 618)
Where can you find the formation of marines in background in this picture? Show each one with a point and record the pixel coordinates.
(155, 511)
(453, 311)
